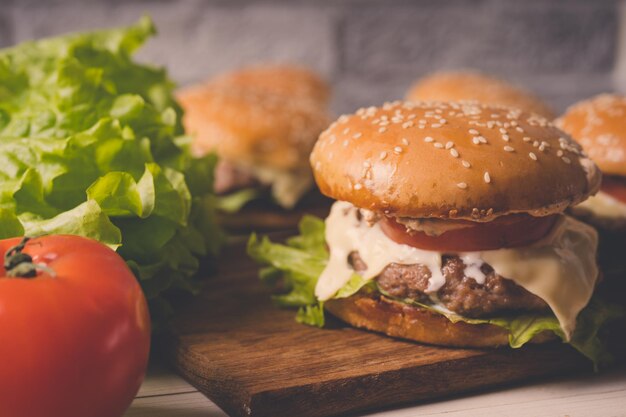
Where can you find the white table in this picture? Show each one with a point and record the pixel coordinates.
(164, 394)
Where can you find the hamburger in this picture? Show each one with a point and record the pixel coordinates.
(448, 229)
(262, 123)
(470, 85)
(599, 125)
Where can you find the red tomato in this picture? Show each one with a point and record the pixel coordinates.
(614, 187)
(504, 232)
(74, 339)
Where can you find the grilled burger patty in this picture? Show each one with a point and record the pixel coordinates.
(460, 294)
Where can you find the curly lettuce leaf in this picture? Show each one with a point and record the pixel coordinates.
(91, 143)
(233, 202)
(295, 267)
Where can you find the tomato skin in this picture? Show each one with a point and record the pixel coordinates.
(614, 187)
(73, 345)
(506, 232)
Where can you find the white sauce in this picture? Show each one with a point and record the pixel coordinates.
(603, 205)
(473, 262)
(561, 268)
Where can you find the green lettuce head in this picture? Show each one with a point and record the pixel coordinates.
(91, 143)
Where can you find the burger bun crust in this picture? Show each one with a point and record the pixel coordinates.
(380, 314)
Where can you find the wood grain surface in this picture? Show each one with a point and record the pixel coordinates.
(253, 359)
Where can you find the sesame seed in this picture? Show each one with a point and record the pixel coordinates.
(487, 177)
(519, 129)
(502, 130)
(526, 139)
(346, 130)
(428, 139)
(383, 155)
(532, 156)
(449, 145)
(509, 148)
(454, 153)
(382, 130)
(406, 125)
(438, 145)
(462, 185)
(436, 125)
(476, 140)
(466, 164)
(559, 153)
(358, 186)
(357, 135)
(505, 138)
(443, 121)
(473, 132)
(397, 149)
(566, 160)
(345, 143)
(405, 141)
(482, 139)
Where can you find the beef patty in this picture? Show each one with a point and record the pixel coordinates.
(460, 293)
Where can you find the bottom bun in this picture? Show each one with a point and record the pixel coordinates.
(381, 314)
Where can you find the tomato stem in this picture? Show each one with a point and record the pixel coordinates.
(20, 265)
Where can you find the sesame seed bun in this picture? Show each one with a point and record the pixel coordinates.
(468, 85)
(451, 160)
(381, 314)
(289, 81)
(599, 125)
(250, 126)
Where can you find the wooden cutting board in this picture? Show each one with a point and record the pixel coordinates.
(253, 359)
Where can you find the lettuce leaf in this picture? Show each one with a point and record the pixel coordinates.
(294, 268)
(91, 143)
(233, 202)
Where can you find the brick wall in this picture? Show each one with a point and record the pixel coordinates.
(370, 49)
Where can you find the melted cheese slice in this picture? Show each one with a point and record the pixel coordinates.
(604, 206)
(560, 269)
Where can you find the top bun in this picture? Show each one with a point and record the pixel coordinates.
(468, 85)
(251, 127)
(452, 161)
(599, 125)
(289, 81)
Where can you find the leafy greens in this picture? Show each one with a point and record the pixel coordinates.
(91, 143)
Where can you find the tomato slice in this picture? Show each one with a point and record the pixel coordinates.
(615, 187)
(504, 232)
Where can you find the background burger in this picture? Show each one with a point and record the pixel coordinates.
(470, 85)
(449, 229)
(599, 125)
(262, 122)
